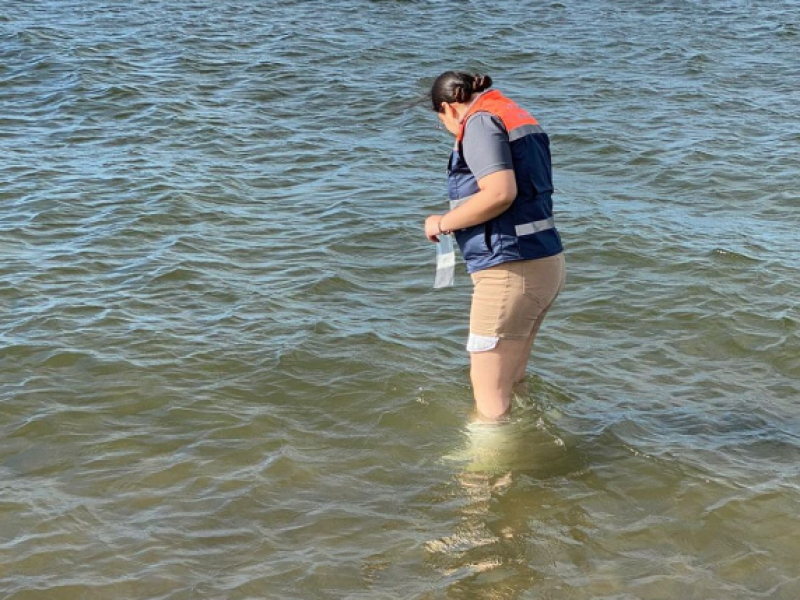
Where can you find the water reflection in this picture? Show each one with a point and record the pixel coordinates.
(508, 518)
(529, 441)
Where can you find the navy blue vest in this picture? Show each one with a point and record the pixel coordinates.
(526, 229)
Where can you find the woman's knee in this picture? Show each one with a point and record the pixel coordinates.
(494, 372)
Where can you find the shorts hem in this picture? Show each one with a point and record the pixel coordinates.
(513, 336)
(502, 336)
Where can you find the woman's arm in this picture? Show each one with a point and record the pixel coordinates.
(497, 192)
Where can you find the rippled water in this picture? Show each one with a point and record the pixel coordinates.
(225, 373)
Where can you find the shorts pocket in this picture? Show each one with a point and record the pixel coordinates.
(489, 300)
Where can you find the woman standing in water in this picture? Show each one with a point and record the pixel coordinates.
(501, 212)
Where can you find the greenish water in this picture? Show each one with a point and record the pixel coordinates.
(223, 370)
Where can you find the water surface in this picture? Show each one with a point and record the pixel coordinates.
(225, 373)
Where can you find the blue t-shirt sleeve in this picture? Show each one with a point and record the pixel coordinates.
(485, 145)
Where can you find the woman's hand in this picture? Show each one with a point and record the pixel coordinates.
(432, 227)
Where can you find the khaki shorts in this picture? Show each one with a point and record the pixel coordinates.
(510, 300)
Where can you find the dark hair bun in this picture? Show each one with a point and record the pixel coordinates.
(457, 86)
(481, 82)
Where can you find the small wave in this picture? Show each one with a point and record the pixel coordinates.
(732, 257)
(175, 274)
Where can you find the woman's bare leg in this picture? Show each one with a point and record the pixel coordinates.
(492, 373)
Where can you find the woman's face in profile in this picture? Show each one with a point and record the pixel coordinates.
(449, 117)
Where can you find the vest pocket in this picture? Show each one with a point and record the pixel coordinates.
(472, 242)
(487, 235)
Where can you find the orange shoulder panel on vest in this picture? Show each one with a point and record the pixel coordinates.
(508, 111)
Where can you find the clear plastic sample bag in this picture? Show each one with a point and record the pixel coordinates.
(445, 262)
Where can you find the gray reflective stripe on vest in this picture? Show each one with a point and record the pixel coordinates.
(535, 226)
(524, 130)
(460, 201)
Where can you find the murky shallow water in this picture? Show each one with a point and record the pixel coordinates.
(225, 375)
